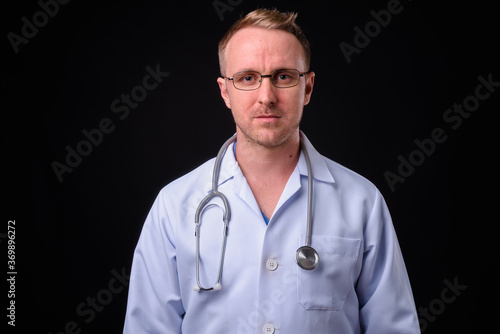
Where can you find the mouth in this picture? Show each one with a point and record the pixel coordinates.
(268, 115)
(267, 118)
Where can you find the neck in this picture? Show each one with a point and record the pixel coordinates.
(258, 161)
(267, 169)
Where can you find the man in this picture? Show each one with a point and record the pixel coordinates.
(360, 284)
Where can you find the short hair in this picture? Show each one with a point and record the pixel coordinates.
(267, 19)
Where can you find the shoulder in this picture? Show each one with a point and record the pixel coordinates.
(342, 179)
(347, 178)
(352, 188)
(197, 181)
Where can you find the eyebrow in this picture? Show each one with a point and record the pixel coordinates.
(274, 70)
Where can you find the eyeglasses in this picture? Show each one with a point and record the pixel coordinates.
(251, 80)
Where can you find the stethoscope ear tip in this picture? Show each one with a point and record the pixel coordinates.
(196, 288)
(217, 286)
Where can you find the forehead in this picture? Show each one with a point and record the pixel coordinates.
(264, 50)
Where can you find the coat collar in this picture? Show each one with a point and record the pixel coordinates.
(320, 170)
(229, 166)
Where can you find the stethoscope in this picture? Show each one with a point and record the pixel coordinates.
(306, 257)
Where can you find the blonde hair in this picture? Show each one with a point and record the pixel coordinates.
(267, 19)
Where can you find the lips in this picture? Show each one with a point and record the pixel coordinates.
(268, 116)
(267, 119)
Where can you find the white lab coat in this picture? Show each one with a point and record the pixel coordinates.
(360, 285)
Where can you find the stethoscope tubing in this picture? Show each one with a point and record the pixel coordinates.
(227, 216)
(309, 194)
(306, 257)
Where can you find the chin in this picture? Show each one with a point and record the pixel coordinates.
(272, 138)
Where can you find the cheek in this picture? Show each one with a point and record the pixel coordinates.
(241, 103)
(293, 102)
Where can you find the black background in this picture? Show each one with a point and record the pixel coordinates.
(71, 235)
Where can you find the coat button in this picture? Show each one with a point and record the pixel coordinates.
(271, 264)
(268, 329)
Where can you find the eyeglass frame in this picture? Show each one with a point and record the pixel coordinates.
(270, 76)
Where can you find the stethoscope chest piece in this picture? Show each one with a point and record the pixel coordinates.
(307, 258)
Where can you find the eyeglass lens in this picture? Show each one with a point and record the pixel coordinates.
(249, 80)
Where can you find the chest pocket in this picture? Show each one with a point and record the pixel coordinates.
(328, 285)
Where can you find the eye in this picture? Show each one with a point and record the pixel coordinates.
(246, 78)
(283, 77)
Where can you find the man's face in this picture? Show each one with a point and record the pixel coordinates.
(268, 116)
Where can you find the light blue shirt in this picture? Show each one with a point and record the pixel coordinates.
(360, 285)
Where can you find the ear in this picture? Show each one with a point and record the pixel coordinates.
(309, 87)
(223, 91)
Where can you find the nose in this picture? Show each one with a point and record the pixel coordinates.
(267, 92)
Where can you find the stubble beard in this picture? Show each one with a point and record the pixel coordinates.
(280, 137)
